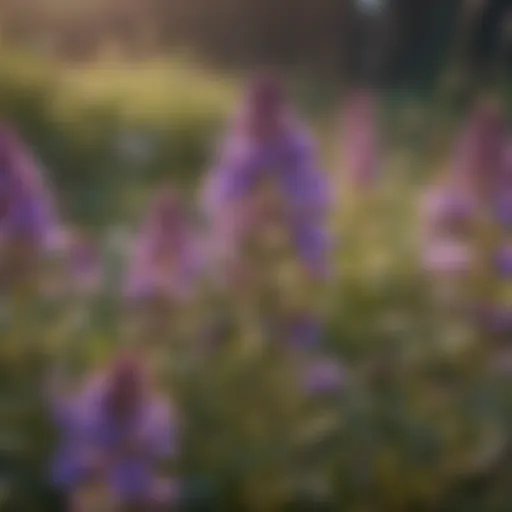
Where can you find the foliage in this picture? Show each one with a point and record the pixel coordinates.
(97, 126)
(423, 422)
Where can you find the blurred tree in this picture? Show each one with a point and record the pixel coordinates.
(394, 40)
(488, 42)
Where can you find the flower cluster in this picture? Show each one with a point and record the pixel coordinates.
(266, 190)
(167, 261)
(266, 146)
(113, 433)
(28, 224)
(361, 139)
(467, 216)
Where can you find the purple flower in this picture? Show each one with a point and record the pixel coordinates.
(448, 257)
(503, 208)
(303, 331)
(115, 431)
(313, 244)
(503, 200)
(480, 152)
(448, 210)
(497, 320)
(448, 217)
(361, 138)
(262, 114)
(267, 146)
(167, 258)
(324, 377)
(26, 211)
(84, 263)
(504, 262)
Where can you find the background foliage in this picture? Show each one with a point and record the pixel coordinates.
(424, 423)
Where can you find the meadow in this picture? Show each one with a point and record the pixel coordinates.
(420, 419)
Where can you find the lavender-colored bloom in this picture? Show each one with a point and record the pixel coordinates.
(503, 209)
(504, 262)
(361, 138)
(303, 331)
(115, 431)
(480, 151)
(448, 217)
(289, 161)
(501, 363)
(266, 146)
(497, 320)
(84, 264)
(26, 210)
(167, 257)
(313, 244)
(324, 377)
(448, 210)
(503, 200)
(448, 257)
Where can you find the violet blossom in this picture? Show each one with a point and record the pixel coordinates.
(167, 259)
(473, 186)
(324, 377)
(448, 258)
(479, 155)
(303, 331)
(447, 217)
(448, 210)
(478, 187)
(503, 200)
(496, 319)
(27, 214)
(267, 144)
(504, 261)
(84, 264)
(114, 432)
(361, 138)
(503, 209)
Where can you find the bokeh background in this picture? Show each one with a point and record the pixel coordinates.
(117, 97)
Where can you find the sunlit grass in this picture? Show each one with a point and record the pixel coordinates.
(156, 91)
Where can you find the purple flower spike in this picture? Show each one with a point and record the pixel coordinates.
(26, 210)
(304, 332)
(503, 200)
(324, 378)
(504, 209)
(268, 146)
(115, 432)
(262, 115)
(480, 152)
(504, 262)
(84, 263)
(497, 320)
(313, 245)
(447, 209)
(448, 258)
(361, 138)
(167, 259)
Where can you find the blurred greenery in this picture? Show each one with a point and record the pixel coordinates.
(424, 424)
(97, 126)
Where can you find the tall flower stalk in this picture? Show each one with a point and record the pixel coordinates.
(466, 231)
(166, 268)
(28, 224)
(361, 140)
(266, 199)
(114, 433)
